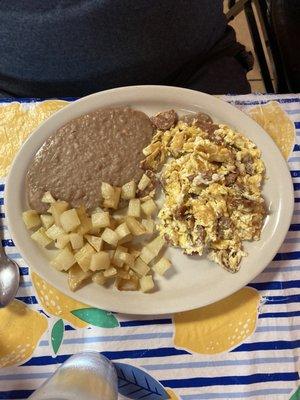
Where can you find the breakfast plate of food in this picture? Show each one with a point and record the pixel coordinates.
(149, 200)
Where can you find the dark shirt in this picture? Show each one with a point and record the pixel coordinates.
(76, 47)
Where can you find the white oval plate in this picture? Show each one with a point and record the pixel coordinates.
(194, 281)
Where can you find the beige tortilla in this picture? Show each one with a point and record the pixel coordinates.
(277, 124)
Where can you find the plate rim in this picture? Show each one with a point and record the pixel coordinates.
(8, 196)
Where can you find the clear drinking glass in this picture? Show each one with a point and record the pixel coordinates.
(84, 376)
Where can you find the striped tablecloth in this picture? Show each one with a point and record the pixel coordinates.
(244, 347)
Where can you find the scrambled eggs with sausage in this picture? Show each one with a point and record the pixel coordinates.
(212, 178)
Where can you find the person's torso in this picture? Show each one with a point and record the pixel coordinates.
(103, 43)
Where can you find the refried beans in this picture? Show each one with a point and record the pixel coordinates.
(102, 146)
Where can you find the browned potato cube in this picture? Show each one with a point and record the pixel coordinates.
(48, 198)
(127, 258)
(100, 261)
(134, 208)
(62, 241)
(54, 232)
(116, 259)
(64, 260)
(85, 221)
(110, 237)
(128, 190)
(123, 232)
(135, 227)
(161, 266)
(127, 284)
(149, 207)
(95, 241)
(144, 182)
(107, 190)
(76, 277)
(56, 209)
(140, 267)
(31, 219)
(76, 241)
(110, 272)
(149, 225)
(84, 255)
(69, 220)
(101, 219)
(47, 220)
(41, 238)
(146, 283)
(99, 278)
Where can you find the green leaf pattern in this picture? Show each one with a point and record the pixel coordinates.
(96, 317)
(57, 334)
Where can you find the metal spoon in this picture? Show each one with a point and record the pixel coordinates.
(9, 278)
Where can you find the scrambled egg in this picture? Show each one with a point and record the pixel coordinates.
(212, 181)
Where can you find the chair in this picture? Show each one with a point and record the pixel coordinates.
(280, 20)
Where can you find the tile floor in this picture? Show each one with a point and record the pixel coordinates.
(243, 35)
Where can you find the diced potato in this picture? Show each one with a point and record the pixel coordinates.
(76, 277)
(64, 260)
(76, 240)
(113, 223)
(127, 239)
(107, 190)
(128, 190)
(97, 210)
(149, 225)
(84, 255)
(123, 274)
(149, 207)
(156, 245)
(85, 221)
(95, 241)
(114, 202)
(127, 258)
(48, 198)
(41, 238)
(161, 266)
(110, 272)
(123, 232)
(134, 208)
(147, 255)
(101, 219)
(140, 267)
(31, 219)
(111, 254)
(111, 195)
(54, 232)
(99, 261)
(119, 216)
(127, 284)
(109, 236)
(135, 253)
(146, 283)
(116, 259)
(144, 182)
(56, 209)
(135, 227)
(151, 250)
(62, 241)
(99, 278)
(95, 231)
(69, 220)
(47, 220)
